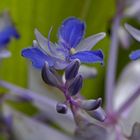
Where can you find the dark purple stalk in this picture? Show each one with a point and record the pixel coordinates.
(74, 107)
(72, 103)
(112, 61)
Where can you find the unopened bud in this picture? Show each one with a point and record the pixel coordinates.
(75, 85)
(72, 69)
(98, 114)
(49, 77)
(61, 108)
(90, 104)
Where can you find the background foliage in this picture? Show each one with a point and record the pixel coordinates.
(42, 14)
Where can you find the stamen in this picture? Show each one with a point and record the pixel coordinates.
(72, 51)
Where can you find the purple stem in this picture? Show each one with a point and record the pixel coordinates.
(129, 102)
(72, 103)
(112, 61)
(118, 133)
(25, 93)
(78, 118)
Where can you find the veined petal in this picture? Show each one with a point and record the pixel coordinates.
(37, 57)
(89, 56)
(135, 55)
(43, 43)
(133, 31)
(89, 42)
(71, 32)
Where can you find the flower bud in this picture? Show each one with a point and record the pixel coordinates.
(98, 114)
(72, 69)
(75, 86)
(61, 108)
(90, 104)
(49, 76)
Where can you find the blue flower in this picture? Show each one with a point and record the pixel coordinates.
(7, 30)
(136, 34)
(71, 45)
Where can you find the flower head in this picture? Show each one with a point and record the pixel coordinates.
(7, 31)
(71, 45)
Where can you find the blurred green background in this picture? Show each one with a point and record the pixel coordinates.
(42, 14)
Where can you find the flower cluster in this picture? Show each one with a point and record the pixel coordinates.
(70, 51)
(7, 32)
(70, 87)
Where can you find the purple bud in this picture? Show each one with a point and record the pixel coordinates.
(72, 69)
(98, 114)
(90, 104)
(75, 86)
(49, 76)
(61, 108)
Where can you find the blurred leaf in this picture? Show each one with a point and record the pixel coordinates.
(91, 132)
(87, 72)
(45, 105)
(25, 128)
(135, 132)
(2, 137)
(127, 84)
(21, 107)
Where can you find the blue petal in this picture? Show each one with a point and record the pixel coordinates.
(14, 32)
(71, 32)
(88, 43)
(89, 56)
(7, 34)
(37, 57)
(135, 55)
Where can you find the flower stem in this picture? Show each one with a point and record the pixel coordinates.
(118, 133)
(112, 61)
(129, 102)
(72, 104)
(79, 119)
